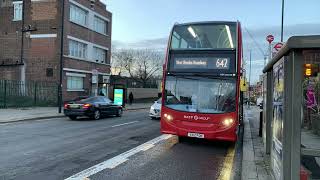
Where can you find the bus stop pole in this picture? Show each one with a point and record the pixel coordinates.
(292, 116)
(268, 113)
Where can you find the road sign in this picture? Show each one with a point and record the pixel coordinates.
(95, 72)
(278, 46)
(270, 38)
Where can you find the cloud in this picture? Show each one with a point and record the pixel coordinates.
(259, 34)
(158, 43)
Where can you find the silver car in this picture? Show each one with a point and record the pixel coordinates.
(155, 110)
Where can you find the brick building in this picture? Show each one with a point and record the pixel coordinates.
(30, 38)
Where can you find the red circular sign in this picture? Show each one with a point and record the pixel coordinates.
(278, 46)
(270, 38)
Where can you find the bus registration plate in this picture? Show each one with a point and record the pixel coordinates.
(196, 135)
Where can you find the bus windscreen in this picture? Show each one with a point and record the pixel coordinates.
(204, 36)
(200, 94)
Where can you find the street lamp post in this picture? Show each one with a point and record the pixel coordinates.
(282, 20)
(61, 57)
(249, 78)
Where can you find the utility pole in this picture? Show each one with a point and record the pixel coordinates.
(22, 64)
(61, 57)
(249, 79)
(282, 20)
(22, 32)
(270, 52)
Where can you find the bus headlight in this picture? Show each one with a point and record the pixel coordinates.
(227, 122)
(168, 117)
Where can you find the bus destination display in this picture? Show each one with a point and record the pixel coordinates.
(222, 63)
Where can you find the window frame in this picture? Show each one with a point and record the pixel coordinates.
(96, 21)
(78, 49)
(76, 79)
(77, 11)
(17, 5)
(97, 55)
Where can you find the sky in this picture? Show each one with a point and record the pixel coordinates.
(147, 23)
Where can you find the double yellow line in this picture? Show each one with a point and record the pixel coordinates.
(226, 172)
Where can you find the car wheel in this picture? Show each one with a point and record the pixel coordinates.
(153, 118)
(119, 112)
(96, 115)
(73, 117)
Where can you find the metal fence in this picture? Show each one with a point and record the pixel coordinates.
(27, 93)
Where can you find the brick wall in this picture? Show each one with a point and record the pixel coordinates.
(84, 65)
(44, 53)
(141, 93)
(10, 46)
(84, 33)
(44, 10)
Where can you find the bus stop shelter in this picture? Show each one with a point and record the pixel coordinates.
(291, 131)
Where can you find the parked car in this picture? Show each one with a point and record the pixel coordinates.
(76, 99)
(261, 105)
(155, 109)
(93, 107)
(259, 101)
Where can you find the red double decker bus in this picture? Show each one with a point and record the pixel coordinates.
(201, 93)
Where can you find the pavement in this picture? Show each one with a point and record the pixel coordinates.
(127, 147)
(255, 162)
(36, 113)
(312, 141)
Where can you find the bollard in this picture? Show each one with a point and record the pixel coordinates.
(260, 126)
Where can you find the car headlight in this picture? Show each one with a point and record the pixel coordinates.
(152, 108)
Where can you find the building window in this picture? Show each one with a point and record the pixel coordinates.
(100, 55)
(78, 15)
(77, 49)
(100, 25)
(75, 83)
(17, 10)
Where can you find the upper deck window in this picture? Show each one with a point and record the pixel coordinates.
(204, 36)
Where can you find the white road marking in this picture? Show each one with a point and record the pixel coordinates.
(117, 160)
(124, 124)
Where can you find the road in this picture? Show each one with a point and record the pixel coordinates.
(130, 147)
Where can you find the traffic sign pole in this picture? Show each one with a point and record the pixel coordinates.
(270, 38)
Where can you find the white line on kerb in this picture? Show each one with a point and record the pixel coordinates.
(124, 124)
(117, 160)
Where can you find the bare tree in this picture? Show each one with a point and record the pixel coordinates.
(122, 60)
(141, 65)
